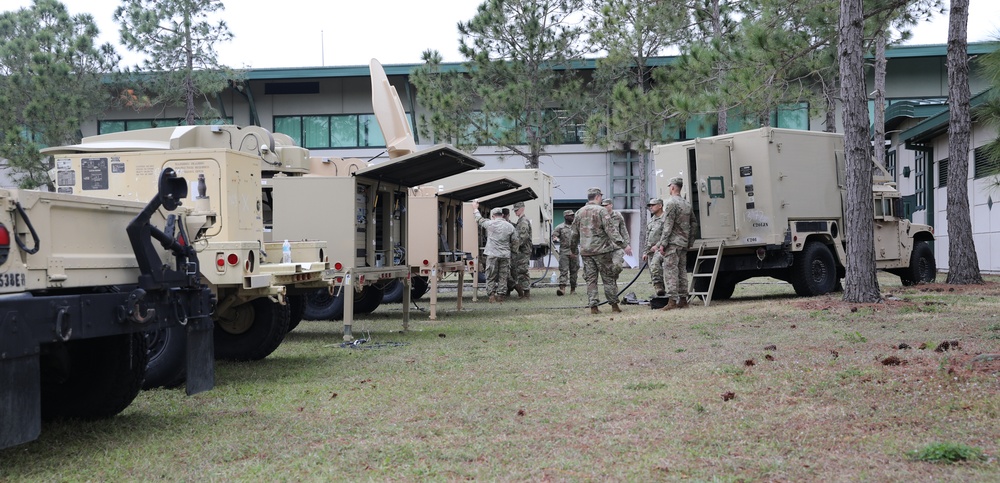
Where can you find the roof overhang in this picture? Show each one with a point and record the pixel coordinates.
(509, 198)
(422, 167)
(918, 137)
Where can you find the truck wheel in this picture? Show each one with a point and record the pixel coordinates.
(392, 293)
(923, 268)
(814, 272)
(367, 300)
(320, 305)
(93, 378)
(167, 366)
(418, 287)
(723, 290)
(296, 310)
(251, 331)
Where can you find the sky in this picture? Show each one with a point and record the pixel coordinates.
(309, 33)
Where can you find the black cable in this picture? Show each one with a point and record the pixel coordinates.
(644, 265)
(34, 234)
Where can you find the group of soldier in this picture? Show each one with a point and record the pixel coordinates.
(596, 233)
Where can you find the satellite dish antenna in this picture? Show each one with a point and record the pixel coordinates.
(390, 114)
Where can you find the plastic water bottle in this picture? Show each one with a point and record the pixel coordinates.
(286, 252)
(554, 278)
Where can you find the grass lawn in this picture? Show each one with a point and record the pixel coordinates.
(765, 386)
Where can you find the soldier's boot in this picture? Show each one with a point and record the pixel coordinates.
(520, 292)
(671, 304)
(682, 302)
(526, 294)
(493, 299)
(561, 290)
(659, 289)
(594, 310)
(572, 289)
(616, 308)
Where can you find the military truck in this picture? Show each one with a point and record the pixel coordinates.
(453, 247)
(770, 202)
(538, 208)
(81, 280)
(224, 166)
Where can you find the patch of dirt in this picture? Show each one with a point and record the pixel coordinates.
(896, 298)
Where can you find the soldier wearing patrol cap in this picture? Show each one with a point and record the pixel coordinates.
(619, 224)
(598, 239)
(569, 254)
(500, 241)
(520, 259)
(678, 231)
(654, 229)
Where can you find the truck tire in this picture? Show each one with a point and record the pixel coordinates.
(320, 305)
(814, 271)
(392, 292)
(251, 331)
(366, 301)
(296, 310)
(93, 378)
(167, 351)
(418, 287)
(923, 268)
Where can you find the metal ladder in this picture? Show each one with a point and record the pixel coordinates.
(708, 250)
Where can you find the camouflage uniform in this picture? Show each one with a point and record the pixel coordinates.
(569, 256)
(654, 229)
(618, 259)
(678, 229)
(500, 240)
(520, 258)
(593, 230)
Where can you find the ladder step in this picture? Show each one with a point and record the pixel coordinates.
(710, 257)
(701, 274)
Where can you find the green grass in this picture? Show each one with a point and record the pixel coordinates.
(542, 390)
(947, 453)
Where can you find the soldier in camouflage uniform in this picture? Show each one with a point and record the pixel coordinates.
(679, 226)
(569, 254)
(520, 259)
(593, 229)
(654, 229)
(500, 240)
(619, 224)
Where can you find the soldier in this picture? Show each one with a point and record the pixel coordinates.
(500, 240)
(619, 224)
(678, 233)
(594, 230)
(569, 254)
(521, 257)
(654, 229)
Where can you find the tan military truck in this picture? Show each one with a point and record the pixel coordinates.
(81, 280)
(451, 245)
(770, 202)
(224, 167)
(538, 209)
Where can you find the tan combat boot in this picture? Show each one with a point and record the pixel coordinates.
(493, 299)
(561, 290)
(594, 310)
(616, 308)
(526, 294)
(520, 293)
(659, 289)
(682, 302)
(572, 289)
(671, 304)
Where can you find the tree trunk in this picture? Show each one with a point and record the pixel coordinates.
(723, 110)
(860, 283)
(963, 264)
(880, 63)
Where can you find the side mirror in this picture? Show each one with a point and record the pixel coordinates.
(171, 189)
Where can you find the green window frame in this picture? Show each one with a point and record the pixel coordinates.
(333, 131)
(920, 179)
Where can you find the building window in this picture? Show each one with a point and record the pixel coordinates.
(984, 164)
(943, 173)
(333, 131)
(108, 127)
(920, 178)
(890, 163)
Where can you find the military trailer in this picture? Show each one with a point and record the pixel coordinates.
(453, 247)
(81, 280)
(538, 209)
(770, 202)
(223, 166)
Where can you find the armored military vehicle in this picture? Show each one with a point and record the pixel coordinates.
(81, 280)
(770, 202)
